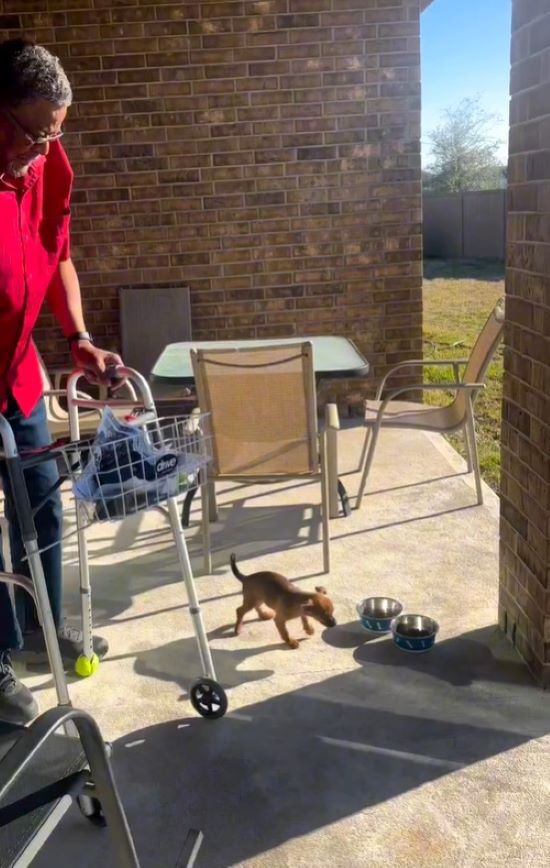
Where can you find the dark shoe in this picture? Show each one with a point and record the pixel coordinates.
(70, 644)
(17, 704)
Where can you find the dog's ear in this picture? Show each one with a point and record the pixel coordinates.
(321, 590)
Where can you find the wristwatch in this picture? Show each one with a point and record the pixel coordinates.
(80, 336)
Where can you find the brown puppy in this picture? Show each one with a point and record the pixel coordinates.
(285, 602)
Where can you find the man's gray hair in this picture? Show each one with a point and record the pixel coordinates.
(29, 72)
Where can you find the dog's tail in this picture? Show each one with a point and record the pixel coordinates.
(236, 571)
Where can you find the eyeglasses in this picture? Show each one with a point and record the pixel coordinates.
(31, 139)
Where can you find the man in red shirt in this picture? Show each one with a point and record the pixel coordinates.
(35, 264)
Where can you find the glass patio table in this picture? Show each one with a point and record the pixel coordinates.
(333, 358)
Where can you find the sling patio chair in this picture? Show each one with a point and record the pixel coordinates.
(386, 412)
(262, 418)
(151, 318)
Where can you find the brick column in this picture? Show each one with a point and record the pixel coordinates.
(524, 607)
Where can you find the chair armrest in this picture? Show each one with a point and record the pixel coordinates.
(57, 375)
(62, 393)
(420, 363)
(428, 362)
(57, 412)
(438, 387)
(427, 387)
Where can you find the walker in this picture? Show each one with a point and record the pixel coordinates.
(125, 484)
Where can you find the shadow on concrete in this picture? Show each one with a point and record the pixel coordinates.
(404, 521)
(480, 655)
(250, 531)
(277, 527)
(416, 484)
(255, 530)
(284, 767)
(179, 662)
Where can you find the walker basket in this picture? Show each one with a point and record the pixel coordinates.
(117, 477)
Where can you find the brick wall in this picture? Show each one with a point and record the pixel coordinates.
(525, 487)
(264, 153)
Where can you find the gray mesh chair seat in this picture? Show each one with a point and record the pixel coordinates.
(60, 759)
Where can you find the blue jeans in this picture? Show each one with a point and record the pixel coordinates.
(31, 433)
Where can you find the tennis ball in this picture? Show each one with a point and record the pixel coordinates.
(84, 667)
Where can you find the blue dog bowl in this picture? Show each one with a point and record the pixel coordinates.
(377, 613)
(414, 633)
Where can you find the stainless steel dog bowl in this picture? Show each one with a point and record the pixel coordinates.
(377, 613)
(414, 633)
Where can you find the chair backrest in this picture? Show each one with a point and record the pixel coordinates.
(262, 406)
(483, 351)
(151, 318)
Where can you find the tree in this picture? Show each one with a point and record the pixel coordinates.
(463, 150)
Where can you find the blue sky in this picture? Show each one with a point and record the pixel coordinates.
(465, 53)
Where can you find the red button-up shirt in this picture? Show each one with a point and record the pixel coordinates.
(34, 238)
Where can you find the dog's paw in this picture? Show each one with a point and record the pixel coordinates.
(238, 631)
(309, 630)
(292, 643)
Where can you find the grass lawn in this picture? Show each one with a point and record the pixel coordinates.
(458, 297)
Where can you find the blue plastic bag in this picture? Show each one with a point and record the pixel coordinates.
(126, 471)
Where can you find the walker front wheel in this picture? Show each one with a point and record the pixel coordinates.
(208, 698)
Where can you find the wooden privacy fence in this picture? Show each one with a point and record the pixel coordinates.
(465, 225)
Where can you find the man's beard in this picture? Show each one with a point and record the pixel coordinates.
(18, 168)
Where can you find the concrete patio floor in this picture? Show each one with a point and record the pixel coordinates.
(345, 752)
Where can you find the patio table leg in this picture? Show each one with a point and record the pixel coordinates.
(212, 505)
(332, 425)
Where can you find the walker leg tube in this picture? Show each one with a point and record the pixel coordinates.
(212, 503)
(46, 619)
(87, 664)
(206, 536)
(194, 608)
(30, 542)
(84, 668)
(332, 425)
